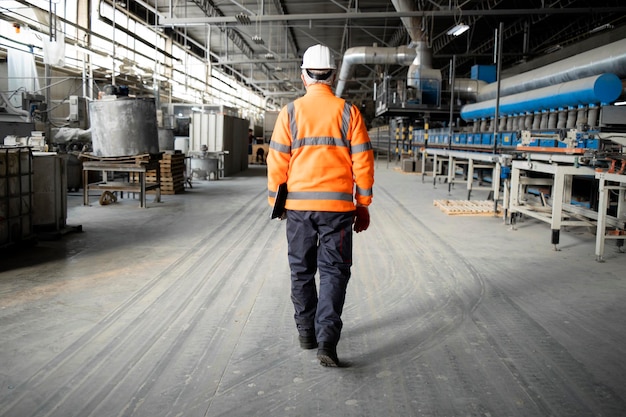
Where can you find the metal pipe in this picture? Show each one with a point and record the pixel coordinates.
(571, 118)
(593, 115)
(536, 121)
(603, 88)
(543, 124)
(413, 24)
(581, 116)
(467, 88)
(419, 59)
(552, 118)
(451, 129)
(609, 58)
(528, 121)
(498, 48)
(402, 55)
(561, 123)
(310, 17)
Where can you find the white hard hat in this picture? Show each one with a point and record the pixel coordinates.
(318, 57)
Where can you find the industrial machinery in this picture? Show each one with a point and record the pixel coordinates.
(552, 136)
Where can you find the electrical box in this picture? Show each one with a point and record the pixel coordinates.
(78, 112)
(485, 73)
(613, 116)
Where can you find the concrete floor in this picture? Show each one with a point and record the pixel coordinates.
(183, 309)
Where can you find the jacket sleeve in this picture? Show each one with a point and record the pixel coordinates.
(279, 155)
(362, 159)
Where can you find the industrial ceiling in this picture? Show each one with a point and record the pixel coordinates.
(261, 42)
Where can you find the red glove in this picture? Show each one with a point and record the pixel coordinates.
(361, 219)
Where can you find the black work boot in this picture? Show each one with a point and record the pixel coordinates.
(307, 341)
(327, 354)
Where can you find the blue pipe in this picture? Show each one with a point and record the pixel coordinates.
(602, 89)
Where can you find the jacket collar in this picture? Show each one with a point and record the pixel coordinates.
(319, 89)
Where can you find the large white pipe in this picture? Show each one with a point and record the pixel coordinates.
(598, 89)
(609, 58)
(467, 88)
(413, 24)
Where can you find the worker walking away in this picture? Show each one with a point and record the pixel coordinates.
(320, 148)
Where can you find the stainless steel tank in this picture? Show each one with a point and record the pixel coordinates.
(124, 127)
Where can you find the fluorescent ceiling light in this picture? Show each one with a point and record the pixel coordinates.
(553, 48)
(458, 29)
(601, 28)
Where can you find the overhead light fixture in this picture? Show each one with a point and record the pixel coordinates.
(601, 28)
(553, 48)
(458, 29)
(269, 56)
(258, 40)
(243, 18)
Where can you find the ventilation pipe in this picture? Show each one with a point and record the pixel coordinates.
(599, 89)
(418, 58)
(609, 58)
(413, 24)
(402, 55)
(467, 88)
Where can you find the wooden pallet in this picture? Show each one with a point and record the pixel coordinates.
(466, 207)
(130, 159)
(172, 170)
(172, 191)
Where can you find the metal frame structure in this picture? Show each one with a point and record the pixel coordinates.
(562, 212)
(609, 182)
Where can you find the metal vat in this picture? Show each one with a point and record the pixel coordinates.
(123, 127)
(204, 165)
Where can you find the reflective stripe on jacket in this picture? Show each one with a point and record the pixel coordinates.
(321, 148)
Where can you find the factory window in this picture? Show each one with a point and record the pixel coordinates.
(141, 50)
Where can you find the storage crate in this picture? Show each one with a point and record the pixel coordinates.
(16, 198)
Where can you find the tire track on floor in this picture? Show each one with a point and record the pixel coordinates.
(454, 288)
(152, 292)
(552, 378)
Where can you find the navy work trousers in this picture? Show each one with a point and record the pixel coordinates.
(319, 241)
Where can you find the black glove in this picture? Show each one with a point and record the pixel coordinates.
(361, 219)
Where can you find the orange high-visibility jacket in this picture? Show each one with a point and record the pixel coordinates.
(321, 149)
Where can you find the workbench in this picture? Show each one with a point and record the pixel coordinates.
(469, 161)
(140, 186)
(610, 227)
(562, 212)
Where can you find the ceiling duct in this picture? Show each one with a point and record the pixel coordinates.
(412, 24)
(402, 55)
(598, 89)
(421, 72)
(609, 58)
(417, 56)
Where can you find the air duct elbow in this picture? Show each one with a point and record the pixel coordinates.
(359, 55)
